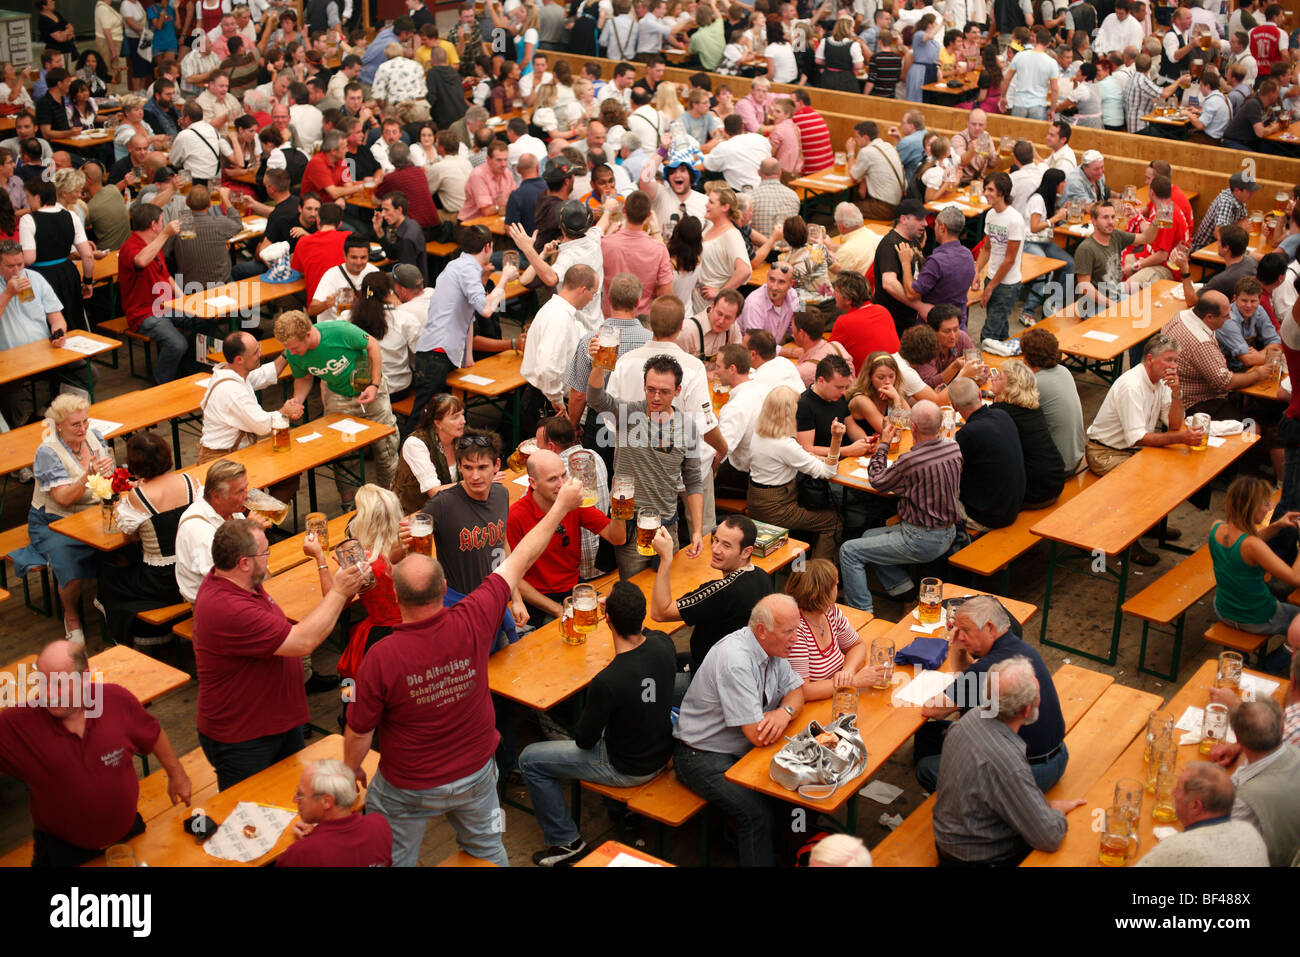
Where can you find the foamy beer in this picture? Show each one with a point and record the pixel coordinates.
(582, 466)
(279, 432)
(1197, 66)
(584, 609)
(931, 607)
(1115, 838)
(647, 523)
(422, 534)
(567, 632)
(1229, 674)
(607, 339)
(1256, 222)
(1005, 146)
(1164, 213)
(622, 502)
(519, 457)
(1205, 42)
(318, 524)
(25, 293)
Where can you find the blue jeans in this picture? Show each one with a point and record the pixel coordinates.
(1039, 290)
(247, 269)
(1045, 773)
(1032, 112)
(704, 772)
(470, 804)
(173, 346)
(547, 764)
(997, 315)
(234, 761)
(889, 550)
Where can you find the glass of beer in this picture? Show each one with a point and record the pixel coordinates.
(1130, 195)
(1280, 199)
(568, 633)
(1214, 729)
(120, 855)
(1276, 364)
(1160, 728)
(1256, 222)
(1206, 41)
(1128, 796)
(25, 293)
(584, 609)
(1162, 808)
(351, 552)
(237, 200)
(841, 160)
(647, 523)
(518, 459)
(1115, 838)
(1164, 213)
(1229, 675)
(267, 506)
(721, 394)
(882, 660)
(844, 701)
(319, 525)
(622, 503)
(1201, 423)
(279, 432)
(422, 534)
(607, 339)
(187, 224)
(1197, 66)
(930, 610)
(582, 466)
(1005, 146)
(948, 424)
(343, 300)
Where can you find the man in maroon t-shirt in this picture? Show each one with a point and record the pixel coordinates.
(328, 833)
(324, 174)
(252, 704)
(145, 284)
(549, 582)
(863, 327)
(322, 250)
(73, 751)
(424, 689)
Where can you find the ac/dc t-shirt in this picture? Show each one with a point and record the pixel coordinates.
(470, 535)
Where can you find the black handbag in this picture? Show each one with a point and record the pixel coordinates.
(813, 494)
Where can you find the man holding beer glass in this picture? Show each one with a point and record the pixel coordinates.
(1202, 370)
(553, 576)
(29, 312)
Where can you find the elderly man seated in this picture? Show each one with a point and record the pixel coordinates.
(328, 833)
(1203, 800)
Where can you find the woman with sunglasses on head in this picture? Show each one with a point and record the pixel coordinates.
(428, 460)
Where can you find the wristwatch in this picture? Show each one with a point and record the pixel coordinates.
(788, 710)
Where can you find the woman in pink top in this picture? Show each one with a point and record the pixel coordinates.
(827, 651)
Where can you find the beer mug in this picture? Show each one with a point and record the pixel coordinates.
(279, 432)
(568, 633)
(948, 424)
(25, 293)
(519, 457)
(1197, 66)
(584, 609)
(1130, 195)
(582, 466)
(361, 377)
(1280, 199)
(237, 200)
(882, 660)
(1214, 728)
(607, 340)
(1201, 423)
(622, 503)
(1162, 808)
(844, 701)
(120, 855)
(510, 259)
(647, 523)
(930, 610)
(343, 300)
(421, 528)
(841, 160)
(351, 552)
(1256, 222)
(1229, 674)
(1128, 797)
(1164, 213)
(318, 525)
(1163, 751)
(1276, 364)
(1115, 838)
(721, 394)
(187, 224)
(1160, 728)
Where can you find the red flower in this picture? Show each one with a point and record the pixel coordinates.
(121, 481)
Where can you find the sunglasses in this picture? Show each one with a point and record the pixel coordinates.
(470, 441)
(564, 536)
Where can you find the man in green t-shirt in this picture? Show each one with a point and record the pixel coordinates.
(338, 353)
(1098, 272)
(708, 41)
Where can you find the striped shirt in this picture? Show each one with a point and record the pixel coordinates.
(810, 661)
(1225, 209)
(883, 74)
(988, 806)
(1202, 370)
(816, 140)
(925, 479)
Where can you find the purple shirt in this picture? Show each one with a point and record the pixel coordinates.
(759, 313)
(932, 372)
(946, 277)
(926, 480)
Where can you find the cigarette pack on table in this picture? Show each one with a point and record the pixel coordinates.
(770, 538)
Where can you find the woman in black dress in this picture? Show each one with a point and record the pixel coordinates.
(48, 235)
(150, 513)
(56, 32)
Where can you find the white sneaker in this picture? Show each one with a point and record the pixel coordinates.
(77, 637)
(25, 476)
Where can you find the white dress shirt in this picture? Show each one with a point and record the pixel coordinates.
(554, 335)
(194, 534)
(333, 281)
(780, 371)
(737, 420)
(1115, 35)
(737, 159)
(777, 461)
(230, 407)
(1133, 407)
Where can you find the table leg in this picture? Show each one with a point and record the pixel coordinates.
(1047, 594)
(90, 381)
(1119, 607)
(311, 489)
(176, 440)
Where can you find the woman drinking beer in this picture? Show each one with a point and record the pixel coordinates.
(876, 392)
(827, 652)
(428, 461)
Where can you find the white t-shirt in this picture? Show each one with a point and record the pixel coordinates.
(912, 381)
(933, 177)
(1034, 70)
(1036, 205)
(787, 69)
(332, 282)
(133, 10)
(1000, 229)
(668, 204)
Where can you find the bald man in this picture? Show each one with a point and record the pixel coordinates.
(72, 744)
(1202, 370)
(1203, 800)
(773, 202)
(521, 207)
(107, 218)
(551, 580)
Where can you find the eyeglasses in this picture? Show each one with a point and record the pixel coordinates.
(564, 536)
(470, 441)
(781, 267)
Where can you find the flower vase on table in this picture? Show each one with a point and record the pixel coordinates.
(108, 489)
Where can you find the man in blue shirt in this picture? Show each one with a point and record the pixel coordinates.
(400, 31)
(911, 148)
(446, 342)
(522, 204)
(1248, 338)
(22, 322)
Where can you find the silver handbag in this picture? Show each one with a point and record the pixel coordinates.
(815, 770)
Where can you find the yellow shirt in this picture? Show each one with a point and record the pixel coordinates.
(422, 54)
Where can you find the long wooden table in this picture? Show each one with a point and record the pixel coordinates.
(884, 726)
(1106, 518)
(1131, 322)
(37, 358)
(166, 843)
(248, 296)
(961, 198)
(496, 224)
(504, 378)
(1210, 255)
(604, 856)
(1082, 843)
(1032, 268)
(146, 678)
(264, 466)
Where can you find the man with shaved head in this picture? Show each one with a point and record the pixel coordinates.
(72, 745)
(106, 214)
(552, 578)
(1202, 369)
(774, 202)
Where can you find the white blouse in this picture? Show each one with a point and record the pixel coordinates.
(27, 229)
(777, 461)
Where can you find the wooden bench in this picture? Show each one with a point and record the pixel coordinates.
(404, 406)
(168, 613)
(736, 506)
(1246, 642)
(1166, 602)
(460, 858)
(184, 629)
(911, 844)
(666, 801)
(10, 542)
(995, 550)
(119, 327)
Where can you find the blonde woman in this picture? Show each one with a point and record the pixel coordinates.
(724, 260)
(666, 102)
(584, 95)
(776, 459)
(375, 526)
(69, 453)
(557, 122)
(827, 651)
(1016, 393)
(875, 392)
(840, 57)
(133, 123)
(69, 187)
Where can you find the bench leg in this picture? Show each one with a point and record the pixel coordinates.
(1047, 593)
(1175, 653)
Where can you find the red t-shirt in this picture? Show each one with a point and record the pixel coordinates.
(425, 689)
(317, 252)
(83, 790)
(318, 174)
(361, 840)
(864, 331)
(246, 690)
(142, 290)
(816, 140)
(1266, 45)
(557, 568)
(1166, 239)
(412, 183)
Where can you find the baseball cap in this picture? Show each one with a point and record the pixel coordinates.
(1238, 180)
(574, 217)
(556, 172)
(911, 207)
(1091, 156)
(408, 276)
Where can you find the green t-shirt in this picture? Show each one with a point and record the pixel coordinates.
(1100, 264)
(707, 43)
(341, 345)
